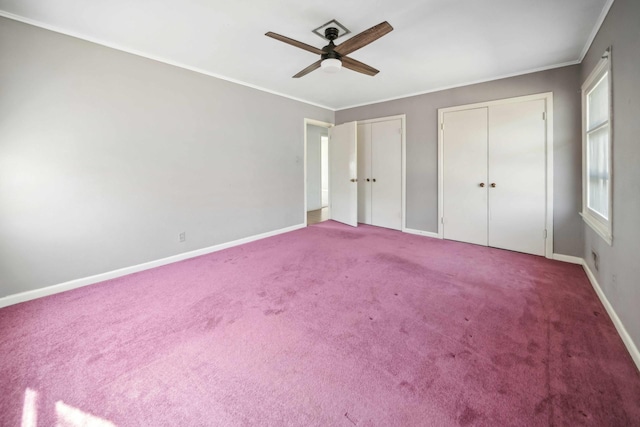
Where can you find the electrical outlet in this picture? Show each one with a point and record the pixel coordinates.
(183, 236)
(594, 257)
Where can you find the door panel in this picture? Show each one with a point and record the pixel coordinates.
(517, 166)
(343, 163)
(364, 173)
(386, 178)
(465, 142)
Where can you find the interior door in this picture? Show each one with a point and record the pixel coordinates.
(517, 177)
(343, 173)
(386, 170)
(465, 142)
(364, 173)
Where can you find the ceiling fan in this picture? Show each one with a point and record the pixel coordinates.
(333, 57)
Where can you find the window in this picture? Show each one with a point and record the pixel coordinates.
(596, 149)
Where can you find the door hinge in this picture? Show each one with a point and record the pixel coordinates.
(442, 220)
(544, 115)
(442, 126)
(545, 233)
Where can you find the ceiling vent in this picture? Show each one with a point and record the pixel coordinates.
(342, 30)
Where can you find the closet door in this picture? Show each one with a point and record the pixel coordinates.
(364, 173)
(386, 174)
(465, 176)
(517, 176)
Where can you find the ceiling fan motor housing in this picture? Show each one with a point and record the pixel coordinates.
(331, 34)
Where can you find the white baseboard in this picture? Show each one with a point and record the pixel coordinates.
(77, 283)
(568, 258)
(622, 331)
(421, 233)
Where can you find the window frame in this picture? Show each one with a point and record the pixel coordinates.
(602, 226)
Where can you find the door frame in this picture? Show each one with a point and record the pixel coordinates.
(548, 98)
(318, 123)
(403, 136)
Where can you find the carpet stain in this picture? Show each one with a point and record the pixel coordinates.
(527, 318)
(533, 346)
(464, 354)
(407, 386)
(274, 312)
(397, 262)
(542, 405)
(557, 326)
(468, 416)
(508, 360)
(212, 322)
(95, 358)
(206, 305)
(427, 375)
(347, 235)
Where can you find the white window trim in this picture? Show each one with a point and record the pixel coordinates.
(603, 227)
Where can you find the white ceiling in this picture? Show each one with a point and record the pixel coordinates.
(435, 44)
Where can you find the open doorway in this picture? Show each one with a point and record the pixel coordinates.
(316, 171)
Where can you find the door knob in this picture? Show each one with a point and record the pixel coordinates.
(368, 180)
(493, 185)
(374, 180)
(482, 184)
(354, 180)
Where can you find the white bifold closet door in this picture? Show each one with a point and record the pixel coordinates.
(343, 170)
(380, 173)
(465, 176)
(494, 176)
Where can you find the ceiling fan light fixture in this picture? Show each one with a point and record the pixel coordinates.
(331, 65)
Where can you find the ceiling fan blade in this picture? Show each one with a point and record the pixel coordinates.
(309, 69)
(358, 66)
(364, 38)
(295, 43)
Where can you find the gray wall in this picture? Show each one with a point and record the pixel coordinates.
(105, 157)
(422, 145)
(314, 170)
(619, 264)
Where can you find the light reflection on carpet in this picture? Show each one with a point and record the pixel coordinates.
(66, 415)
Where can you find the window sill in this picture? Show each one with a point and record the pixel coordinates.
(600, 229)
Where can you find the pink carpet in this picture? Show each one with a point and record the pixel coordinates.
(329, 326)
